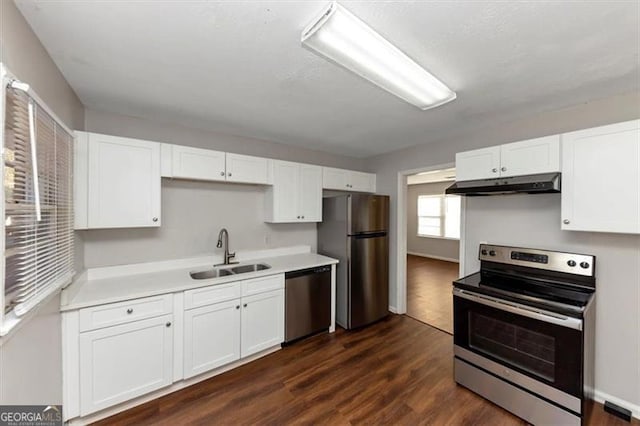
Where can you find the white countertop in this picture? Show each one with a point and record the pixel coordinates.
(91, 291)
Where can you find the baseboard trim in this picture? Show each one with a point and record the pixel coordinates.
(601, 397)
(430, 256)
(393, 309)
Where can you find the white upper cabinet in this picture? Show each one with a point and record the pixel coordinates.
(541, 155)
(534, 156)
(197, 164)
(247, 169)
(182, 162)
(348, 180)
(478, 164)
(362, 182)
(296, 194)
(117, 184)
(601, 179)
(310, 193)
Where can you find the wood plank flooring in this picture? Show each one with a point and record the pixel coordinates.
(429, 296)
(398, 371)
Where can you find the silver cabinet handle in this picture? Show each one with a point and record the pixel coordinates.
(245, 305)
(221, 173)
(229, 174)
(298, 217)
(168, 324)
(504, 169)
(303, 217)
(237, 306)
(155, 219)
(130, 310)
(566, 221)
(494, 170)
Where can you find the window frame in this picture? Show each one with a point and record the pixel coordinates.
(9, 321)
(442, 217)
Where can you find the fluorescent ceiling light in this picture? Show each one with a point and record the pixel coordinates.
(343, 38)
(437, 171)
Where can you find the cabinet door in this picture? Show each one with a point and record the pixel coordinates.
(478, 164)
(211, 337)
(601, 179)
(541, 155)
(310, 193)
(198, 164)
(247, 169)
(283, 196)
(262, 322)
(335, 179)
(122, 362)
(124, 182)
(362, 182)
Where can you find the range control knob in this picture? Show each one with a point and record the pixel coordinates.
(484, 252)
(492, 253)
(584, 265)
(571, 263)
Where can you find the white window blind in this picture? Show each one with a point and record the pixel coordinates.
(38, 203)
(439, 216)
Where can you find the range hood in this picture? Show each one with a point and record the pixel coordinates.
(530, 184)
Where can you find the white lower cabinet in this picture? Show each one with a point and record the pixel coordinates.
(262, 322)
(225, 331)
(116, 352)
(211, 337)
(122, 362)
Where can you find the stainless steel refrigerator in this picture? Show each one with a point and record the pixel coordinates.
(354, 230)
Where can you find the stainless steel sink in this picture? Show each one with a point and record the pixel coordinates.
(243, 269)
(225, 272)
(210, 273)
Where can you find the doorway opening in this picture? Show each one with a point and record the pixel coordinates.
(432, 247)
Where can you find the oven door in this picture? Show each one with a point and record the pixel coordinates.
(544, 346)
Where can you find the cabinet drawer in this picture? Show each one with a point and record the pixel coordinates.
(208, 295)
(123, 312)
(260, 285)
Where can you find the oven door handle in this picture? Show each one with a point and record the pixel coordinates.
(518, 309)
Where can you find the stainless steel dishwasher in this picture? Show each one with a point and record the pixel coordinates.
(307, 302)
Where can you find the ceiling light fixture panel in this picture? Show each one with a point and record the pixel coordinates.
(342, 37)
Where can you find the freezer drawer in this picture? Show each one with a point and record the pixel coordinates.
(368, 290)
(307, 302)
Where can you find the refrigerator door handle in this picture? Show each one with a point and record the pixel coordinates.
(370, 235)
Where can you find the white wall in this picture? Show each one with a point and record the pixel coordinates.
(616, 365)
(38, 342)
(500, 219)
(435, 247)
(194, 212)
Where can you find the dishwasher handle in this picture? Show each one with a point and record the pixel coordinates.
(310, 271)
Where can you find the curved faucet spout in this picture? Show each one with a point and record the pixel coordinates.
(223, 240)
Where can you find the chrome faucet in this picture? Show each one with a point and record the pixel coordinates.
(227, 256)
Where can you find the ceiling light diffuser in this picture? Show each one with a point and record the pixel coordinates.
(342, 37)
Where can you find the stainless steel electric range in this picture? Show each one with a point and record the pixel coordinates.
(524, 331)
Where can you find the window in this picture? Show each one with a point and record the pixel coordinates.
(38, 205)
(439, 216)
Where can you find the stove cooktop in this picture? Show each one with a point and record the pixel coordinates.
(542, 294)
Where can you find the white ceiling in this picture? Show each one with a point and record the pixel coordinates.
(239, 68)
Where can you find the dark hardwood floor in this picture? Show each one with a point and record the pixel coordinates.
(398, 371)
(429, 297)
